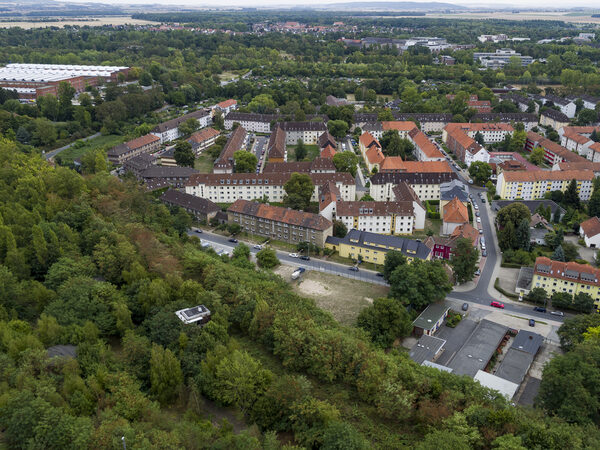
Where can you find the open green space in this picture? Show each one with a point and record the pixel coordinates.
(80, 148)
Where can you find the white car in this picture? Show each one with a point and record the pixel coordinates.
(293, 255)
(479, 220)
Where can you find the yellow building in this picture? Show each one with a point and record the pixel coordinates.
(372, 247)
(532, 185)
(571, 277)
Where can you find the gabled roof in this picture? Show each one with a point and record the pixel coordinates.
(227, 103)
(189, 201)
(375, 155)
(591, 227)
(368, 140)
(276, 146)
(398, 125)
(326, 139)
(328, 152)
(203, 135)
(555, 115)
(455, 211)
(568, 271)
(174, 123)
(372, 208)
(424, 144)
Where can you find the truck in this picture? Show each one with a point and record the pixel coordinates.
(299, 271)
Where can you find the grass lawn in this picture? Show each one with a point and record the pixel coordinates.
(344, 298)
(312, 151)
(226, 76)
(77, 150)
(204, 163)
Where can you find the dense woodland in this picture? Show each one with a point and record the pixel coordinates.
(95, 262)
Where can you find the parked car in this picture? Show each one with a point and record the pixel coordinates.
(482, 199)
(539, 309)
(477, 272)
(531, 323)
(481, 231)
(483, 253)
(353, 268)
(305, 258)
(470, 181)
(479, 220)
(293, 255)
(557, 313)
(477, 214)
(257, 247)
(379, 274)
(198, 230)
(465, 306)
(234, 240)
(496, 304)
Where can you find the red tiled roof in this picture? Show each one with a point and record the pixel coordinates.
(398, 125)
(227, 103)
(280, 214)
(367, 140)
(559, 269)
(375, 155)
(141, 141)
(328, 152)
(455, 211)
(551, 175)
(203, 135)
(424, 144)
(591, 227)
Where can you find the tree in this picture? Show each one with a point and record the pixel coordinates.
(339, 229)
(299, 190)
(571, 332)
(562, 300)
(523, 235)
(343, 436)
(393, 259)
(189, 126)
(554, 238)
(507, 238)
(479, 138)
(420, 283)
(345, 162)
(571, 197)
(184, 155)
(267, 258)
(182, 221)
(165, 374)
(537, 156)
(480, 171)
(517, 142)
(513, 213)
(66, 92)
(570, 251)
(595, 136)
(385, 320)
(594, 204)
(218, 121)
(393, 145)
(464, 260)
(338, 128)
(300, 151)
(587, 117)
(245, 162)
(537, 296)
(45, 133)
(583, 302)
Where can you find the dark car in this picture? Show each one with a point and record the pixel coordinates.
(234, 240)
(465, 306)
(198, 230)
(531, 323)
(539, 309)
(305, 258)
(484, 253)
(379, 274)
(353, 269)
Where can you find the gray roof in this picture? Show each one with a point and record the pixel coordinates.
(505, 117)
(372, 126)
(437, 366)
(423, 117)
(555, 115)
(514, 365)
(413, 177)
(365, 239)
(168, 172)
(431, 315)
(478, 349)
(528, 341)
(188, 201)
(532, 205)
(525, 278)
(449, 194)
(174, 123)
(426, 348)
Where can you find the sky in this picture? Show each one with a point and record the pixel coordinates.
(271, 3)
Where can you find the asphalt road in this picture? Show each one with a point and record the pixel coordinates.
(219, 242)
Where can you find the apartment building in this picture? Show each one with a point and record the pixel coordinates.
(529, 120)
(169, 130)
(309, 132)
(227, 188)
(203, 139)
(123, 152)
(454, 215)
(395, 164)
(317, 165)
(553, 118)
(553, 152)
(237, 141)
(225, 107)
(370, 148)
(200, 208)
(158, 176)
(425, 150)
(430, 122)
(378, 217)
(443, 247)
(578, 139)
(138, 164)
(425, 185)
(372, 247)
(500, 58)
(282, 224)
(534, 184)
(570, 277)
(566, 106)
(276, 148)
(255, 123)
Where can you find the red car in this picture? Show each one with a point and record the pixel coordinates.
(497, 305)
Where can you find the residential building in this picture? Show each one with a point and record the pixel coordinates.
(521, 102)
(443, 247)
(457, 139)
(570, 277)
(227, 188)
(203, 139)
(589, 230)
(370, 149)
(373, 128)
(566, 106)
(553, 118)
(451, 190)
(309, 132)
(454, 214)
(402, 127)
(528, 120)
(276, 148)
(425, 150)
(175, 177)
(393, 164)
(334, 101)
(237, 141)
(447, 60)
(361, 119)
(169, 131)
(201, 208)
(122, 152)
(430, 122)
(198, 314)
(578, 139)
(256, 123)
(425, 185)
(167, 157)
(589, 101)
(481, 106)
(431, 319)
(226, 106)
(282, 224)
(582, 165)
(138, 164)
(317, 165)
(328, 152)
(513, 185)
(553, 152)
(326, 139)
(372, 247)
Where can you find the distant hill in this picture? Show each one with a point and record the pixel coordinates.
(393, 6)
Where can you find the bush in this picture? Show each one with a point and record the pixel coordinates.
(453, 319)
(267, 258)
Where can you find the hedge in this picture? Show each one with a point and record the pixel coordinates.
(502, 291)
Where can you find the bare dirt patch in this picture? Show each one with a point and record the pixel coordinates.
(79, 21)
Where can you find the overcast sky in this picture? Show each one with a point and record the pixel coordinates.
(272, 3)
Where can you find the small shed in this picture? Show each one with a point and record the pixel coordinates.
(431, 319)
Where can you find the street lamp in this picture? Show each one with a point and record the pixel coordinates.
(123, 440)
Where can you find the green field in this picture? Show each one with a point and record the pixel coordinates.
(312, 152)
(77, 150)
(204, 163)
